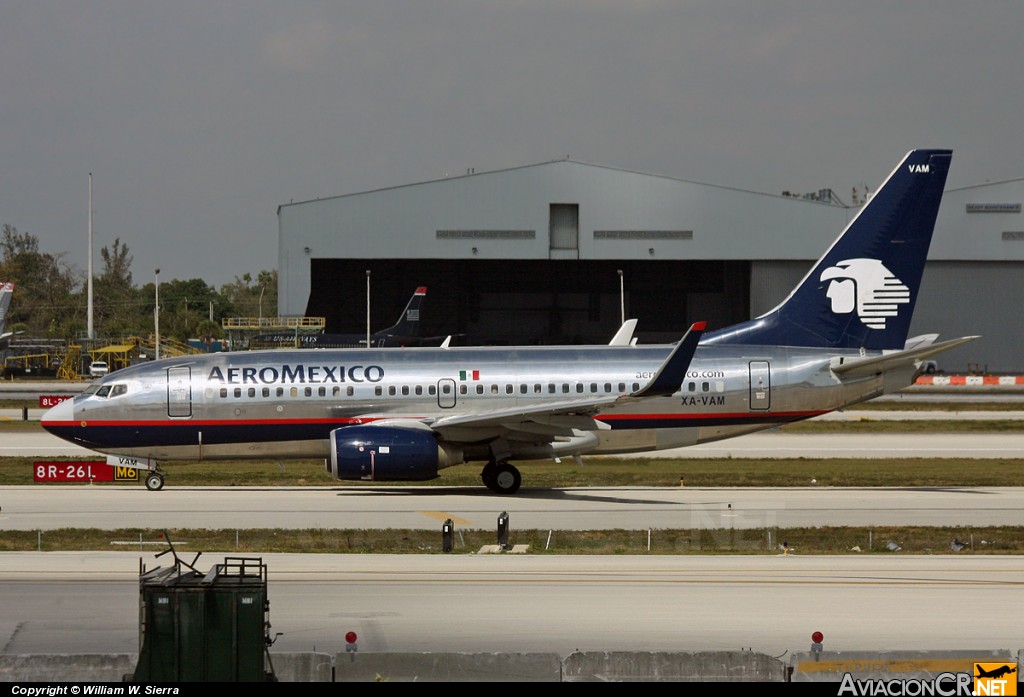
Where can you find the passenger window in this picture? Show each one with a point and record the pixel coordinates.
(223, 392)
(593, 387)
(508, 389)
(322, 391)
(252, 392)
(608, 387)
(378, 390)
(405, 390)
(419, 390)
(622, 387)
(565, 388)
(308, 391)
(494, 389)
(636, 386)
(335, 391)
(446, 388)
(391, 390)
(579, 388)
(280, 392)
(293, 391)
(350, 391)
(523, 388)
(537, 388)
(266, 391)
(463, 389)
(705, 386)
(238, 392)
(432, 390)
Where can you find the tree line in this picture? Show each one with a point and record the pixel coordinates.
(51, 296)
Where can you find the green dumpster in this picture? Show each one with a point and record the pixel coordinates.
(211, 627)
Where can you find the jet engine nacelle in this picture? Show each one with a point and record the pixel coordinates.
(381, 453)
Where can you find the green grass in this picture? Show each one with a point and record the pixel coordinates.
(804, 541)
(602, 472)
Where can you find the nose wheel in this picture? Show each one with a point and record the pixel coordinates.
(155, 481)
(501, 477)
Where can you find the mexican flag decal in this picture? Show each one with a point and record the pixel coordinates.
(469, 375)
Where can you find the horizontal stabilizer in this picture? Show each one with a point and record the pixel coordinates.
(855, 367)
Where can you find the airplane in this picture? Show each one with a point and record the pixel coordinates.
(405, 332)
(389, 414)
(6, 293)
(995, 672)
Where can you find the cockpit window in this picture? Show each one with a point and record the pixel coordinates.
(118, 390)
(91, 389)
(103, 391)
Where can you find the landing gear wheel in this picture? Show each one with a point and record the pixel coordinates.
(154, 481)
(507, 479)
(488, 475)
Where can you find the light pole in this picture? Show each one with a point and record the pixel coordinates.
(90, 328)
(156, 315)
(622, 297)
(367, 308)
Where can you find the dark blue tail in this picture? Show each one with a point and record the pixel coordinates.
(861, 293)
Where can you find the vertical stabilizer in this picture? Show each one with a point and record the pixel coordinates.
(408, 323)
(861, 293)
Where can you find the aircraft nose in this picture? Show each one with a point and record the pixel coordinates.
(61, 415)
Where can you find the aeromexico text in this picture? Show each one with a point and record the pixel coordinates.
(290, 374)
(322, 374)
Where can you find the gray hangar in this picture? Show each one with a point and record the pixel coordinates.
(559, 252)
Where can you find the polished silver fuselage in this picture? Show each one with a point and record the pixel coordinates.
(285, 403)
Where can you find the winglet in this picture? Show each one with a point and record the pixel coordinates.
(422, 290)
(670, 375)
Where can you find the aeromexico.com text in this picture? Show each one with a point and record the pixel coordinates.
(291, 374)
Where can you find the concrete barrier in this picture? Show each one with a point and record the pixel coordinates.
(303, 667)
(706, 666)
(619, 666)
(448, 667)
(67, 667)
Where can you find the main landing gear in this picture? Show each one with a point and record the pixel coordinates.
(501, 477)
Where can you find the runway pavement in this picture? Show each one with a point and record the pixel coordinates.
(48, 507)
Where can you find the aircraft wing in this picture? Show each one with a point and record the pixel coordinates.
(846, 367)
(560, 418)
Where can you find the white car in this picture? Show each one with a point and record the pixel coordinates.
(98, 369)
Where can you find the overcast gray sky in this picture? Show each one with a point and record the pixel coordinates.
(198, 118)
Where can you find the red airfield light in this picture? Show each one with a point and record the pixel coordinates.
(350, 637)
(817, 637)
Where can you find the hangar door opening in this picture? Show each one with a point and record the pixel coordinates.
(564, 223)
